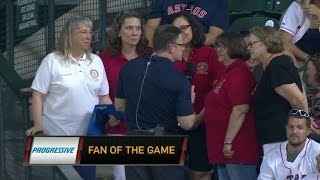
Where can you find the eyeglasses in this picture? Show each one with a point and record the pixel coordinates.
(184, 27)
(221, 45)
(299, 113)
(250, 44)
(190, 3)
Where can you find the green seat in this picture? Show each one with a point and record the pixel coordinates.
(245, 8)
(281, 5)
(249, 5)
(245, 23)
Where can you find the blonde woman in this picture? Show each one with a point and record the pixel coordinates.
(67, 86)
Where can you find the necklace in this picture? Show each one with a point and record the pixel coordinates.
(263, 69)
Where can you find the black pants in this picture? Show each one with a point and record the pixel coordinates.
(154, 172)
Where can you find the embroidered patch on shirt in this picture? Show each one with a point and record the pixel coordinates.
(202, 68)
(94, 74)
(218, 87)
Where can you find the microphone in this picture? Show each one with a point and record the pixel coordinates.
(189, 70)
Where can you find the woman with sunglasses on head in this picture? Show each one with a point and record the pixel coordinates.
(278, 89)
(229, 117)
(126, 42)
(205, 70)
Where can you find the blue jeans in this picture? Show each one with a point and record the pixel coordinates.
(237, 172)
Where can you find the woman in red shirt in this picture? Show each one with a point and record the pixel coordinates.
(205, 72)
(228, 114)
(126, 42)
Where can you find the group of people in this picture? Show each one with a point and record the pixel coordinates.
(242, 93)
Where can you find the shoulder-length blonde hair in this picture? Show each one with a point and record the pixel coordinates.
(65, 38)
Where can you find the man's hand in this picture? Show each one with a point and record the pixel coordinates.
(193, 94)
(112, 121)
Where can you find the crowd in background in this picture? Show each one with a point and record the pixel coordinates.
(249, 89)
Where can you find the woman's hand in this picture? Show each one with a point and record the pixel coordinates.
(312, 10)
(33, 130)
(227, 151)
(314, 127)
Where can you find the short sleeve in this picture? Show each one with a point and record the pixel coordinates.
(43, 78)
(281, 73)
(183, 103)
(156, 10)
(291, 19)
(120, 89)
(104, 89)
(240, 87)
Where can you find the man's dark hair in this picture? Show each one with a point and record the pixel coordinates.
(163, 36)
(307, 120)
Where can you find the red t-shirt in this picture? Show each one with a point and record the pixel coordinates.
(207, 69)
(113, 65)
(233, 88)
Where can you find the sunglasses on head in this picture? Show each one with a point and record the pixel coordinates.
(298, 112)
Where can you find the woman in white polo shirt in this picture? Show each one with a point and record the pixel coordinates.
(69, 83)
(67, 86)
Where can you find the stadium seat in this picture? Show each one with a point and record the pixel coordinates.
(249, 5)
(245, 8)
(281, 5)
(245, 23)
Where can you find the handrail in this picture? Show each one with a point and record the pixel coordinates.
(10, 76)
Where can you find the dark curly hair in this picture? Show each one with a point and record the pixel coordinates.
(114, 42)
(198, 36)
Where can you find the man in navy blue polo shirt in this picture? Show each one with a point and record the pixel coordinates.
(153, 93)
(212, 14)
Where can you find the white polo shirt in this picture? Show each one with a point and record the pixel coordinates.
(71, 91)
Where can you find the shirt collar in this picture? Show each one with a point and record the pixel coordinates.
(83, 58)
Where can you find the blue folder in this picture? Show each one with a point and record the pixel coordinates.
(99, 118)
